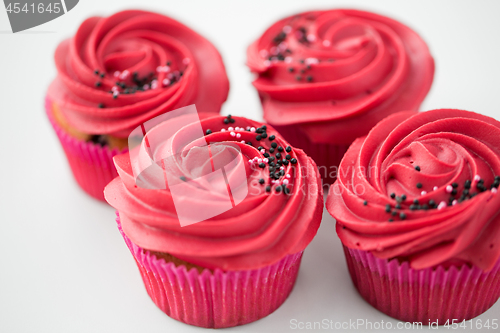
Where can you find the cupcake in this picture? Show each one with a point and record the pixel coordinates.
(117, 72)
(327, 77)
(416, 205)
(217, 222)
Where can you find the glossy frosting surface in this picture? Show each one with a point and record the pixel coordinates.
(265, 226)
(336, 73)
(422, 187)
(117, 72)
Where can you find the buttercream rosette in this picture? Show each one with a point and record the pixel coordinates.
(327, 77)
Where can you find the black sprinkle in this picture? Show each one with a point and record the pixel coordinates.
(271, 138)
(388, 208)
(291, 69)
(416, 202)
(263, 135)
(391, 220)
(454, 192)
(261, 181)
(309, 78)
(226, 121)
(413, 207)
(425, 207)
(288, 157)
(288, 149)
(398, 206)
(278, 155)
(365, 203)
(98, 84)
(394, 213)
(268, 188)
(393, 195)
(96, 72)
(183, 178)
(208, 132)
(280, 149)
(403, 197)
(298, 77)
(293, 161)
(278, 188)
(262, 165)
(258, 137)
(232, 120)
(467, 184)
(419, 185)
(260, 148)
(102, 74)
(274, 145)
(417, 168)
(402, 216)
(454, 185)
(266, 155)
(271, 150)
(285, 162)
(100, 106)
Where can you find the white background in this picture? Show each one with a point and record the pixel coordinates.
(64, 266)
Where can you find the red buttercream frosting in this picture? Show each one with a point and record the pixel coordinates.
(449, 156)
(336, 73)
(260, 230)
(160, 65)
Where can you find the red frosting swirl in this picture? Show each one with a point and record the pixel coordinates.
(336, 73)
(423, 188)
(122, 70)
(269, 223)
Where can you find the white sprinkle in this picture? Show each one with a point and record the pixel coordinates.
(454, 202)
(494, 190)
(449, 189)
(186, 61)
(166, 82)
(288, 60)
(267, 63)
(435, 188)
(264, 53)
(265, 160)
(116, 93)
(282, 46)
(124, 74)
(274, 50)
(116, 74)
(442, 205)
(230, 129)
(262, 150)
(252, 129)
(287, 29)
(282, 168)
(114, 88)
(423, 193)
(250, 161)
(243, 141)
(327, 43)
(477, 178)
(248, 128)
(259, 160)
(145, 87)
(232, 134)
(285, 181)
(311, 38)
(236, 128)
(154, 84)
(223, 130)
(170, 76)
(238, 135)
(288, 176)
(311, 61)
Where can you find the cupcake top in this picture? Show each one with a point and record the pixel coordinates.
(352, 68)
(117, 72)
(274, 210)
(422, 187)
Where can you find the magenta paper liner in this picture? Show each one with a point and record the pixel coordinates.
(423, 295)
(327, 156)
(219, 299)
(91, 164)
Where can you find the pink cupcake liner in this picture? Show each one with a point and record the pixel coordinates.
(426, 295)
(215, 299)
(327, 156)
(91, 164)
